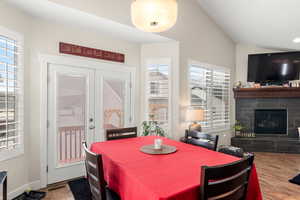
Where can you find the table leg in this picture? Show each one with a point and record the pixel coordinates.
(5, 189)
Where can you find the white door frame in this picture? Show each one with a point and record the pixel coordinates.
(44, 61)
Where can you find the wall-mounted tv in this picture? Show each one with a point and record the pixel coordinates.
(274, 67)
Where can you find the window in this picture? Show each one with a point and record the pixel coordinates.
(210, 90)
(11, 94)
(157, 97)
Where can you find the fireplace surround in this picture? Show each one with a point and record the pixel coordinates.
(273, 114)
(246, 109)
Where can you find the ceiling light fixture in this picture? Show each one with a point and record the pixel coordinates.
(154, 15)
(296, 40)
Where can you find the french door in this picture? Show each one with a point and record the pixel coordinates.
(82, 103)
(113, 102)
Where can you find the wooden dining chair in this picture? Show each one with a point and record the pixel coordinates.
(121, 133)
(202, 139)
(226, 182)
(3, 182)
(95, 176)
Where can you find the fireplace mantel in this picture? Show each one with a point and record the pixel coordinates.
(267, 92)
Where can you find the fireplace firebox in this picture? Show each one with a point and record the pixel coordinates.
(270, 121)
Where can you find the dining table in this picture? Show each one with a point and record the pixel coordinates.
(135, 175)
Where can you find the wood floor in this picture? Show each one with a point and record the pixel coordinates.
(274, 171)
(63, 193)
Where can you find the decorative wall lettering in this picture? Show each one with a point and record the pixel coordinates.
(77, 50)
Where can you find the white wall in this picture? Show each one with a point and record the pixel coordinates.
(242, 52)
(43, 37)
(46, 36)
(18, 167)
(203, 41)
(116, 10)
(199, 37)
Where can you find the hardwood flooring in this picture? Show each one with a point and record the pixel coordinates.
(63, 193)
(274, 171)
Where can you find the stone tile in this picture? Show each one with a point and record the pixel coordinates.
(245, 111)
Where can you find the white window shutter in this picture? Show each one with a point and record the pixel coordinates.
(157, 95)
(11, 93)
(210, 89)
(220, 99)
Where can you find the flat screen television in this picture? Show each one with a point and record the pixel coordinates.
(274, 67)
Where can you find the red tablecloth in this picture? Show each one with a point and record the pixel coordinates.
(138, 176)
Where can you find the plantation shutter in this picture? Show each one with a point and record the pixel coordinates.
(11, 95)
(220, 99)
(210, 89)
(158, 94)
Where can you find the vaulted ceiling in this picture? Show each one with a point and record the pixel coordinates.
(53, 10)
(267, 23)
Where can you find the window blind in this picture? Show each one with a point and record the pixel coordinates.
(10, 93)
(210, 91)
(158, 94)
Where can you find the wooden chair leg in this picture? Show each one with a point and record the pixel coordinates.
(5, 189)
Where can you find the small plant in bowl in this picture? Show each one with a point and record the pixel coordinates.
(238, 128)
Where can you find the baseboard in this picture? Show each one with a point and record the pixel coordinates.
(35, 185)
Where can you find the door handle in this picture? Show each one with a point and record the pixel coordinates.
(91, 127)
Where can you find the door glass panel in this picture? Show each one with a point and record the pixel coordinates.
(71, 112)
(113, 103)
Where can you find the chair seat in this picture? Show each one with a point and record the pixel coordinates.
(111, 195)
(231, 150)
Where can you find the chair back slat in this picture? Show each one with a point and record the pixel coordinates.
(229, 170)
(94, 170)
(121, 133)
(221, 187)
(202, 139)
(228, 181)
(198, 135)
(203, 143)
(235, 195)
(94, 180)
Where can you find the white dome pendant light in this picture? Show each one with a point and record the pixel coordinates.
(154, 15)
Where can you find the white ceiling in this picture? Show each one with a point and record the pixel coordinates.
(51, 11)
(266, 23)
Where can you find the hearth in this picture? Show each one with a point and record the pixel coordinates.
(270, 121)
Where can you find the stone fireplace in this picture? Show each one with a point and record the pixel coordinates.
(273, 114)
